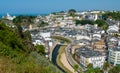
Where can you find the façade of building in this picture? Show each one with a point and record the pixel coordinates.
(114, 55)
(86, 56)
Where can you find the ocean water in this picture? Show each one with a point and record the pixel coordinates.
(0, 16)
(23, 14)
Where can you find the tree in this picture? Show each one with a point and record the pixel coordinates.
(15, 58)
(40, 49)
(27, 35)
(72, 12)
(42, 24)
(97, 70)
(24, 20)
(20, 31)
(90, 68)
(90, 65)
(106, 65)
(102, 24)
(115, 69)
(61, 11)
(83, 22)
(111, 15)
(75, 67)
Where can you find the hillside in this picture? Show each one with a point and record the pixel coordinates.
(17, 55)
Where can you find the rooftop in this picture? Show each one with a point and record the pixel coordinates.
(116, 48)
(101, 42)
(86, 52)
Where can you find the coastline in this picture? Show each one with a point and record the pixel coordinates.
(1, 15)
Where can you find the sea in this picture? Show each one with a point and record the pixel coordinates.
(1, 15)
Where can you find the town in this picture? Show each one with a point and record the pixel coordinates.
(90, 38)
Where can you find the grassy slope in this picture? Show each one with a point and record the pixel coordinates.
(16, 57)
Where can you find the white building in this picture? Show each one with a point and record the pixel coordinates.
(9, 17)
(37, 41)
(87, 56)
(46, 36)
(93, 17)
(79, 37)
(113, 29)
(95, 12)
(114, 55)
(96, 36)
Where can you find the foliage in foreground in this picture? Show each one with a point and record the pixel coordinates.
(16, 57)
(34, 63)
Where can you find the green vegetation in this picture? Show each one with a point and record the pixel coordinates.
(111, 69)
(24, 20)
(72, 12)
(106, 66)
(76, 67)
(55, 13)
(106, 69)
(42, 24)
(101, 23)
(40, 49)
(10, 40)
(97, 70)
(61, 38)
(18, 55)
(115, 69)
(83, 22)
(112, 15)
(92, 70)
(33, 63)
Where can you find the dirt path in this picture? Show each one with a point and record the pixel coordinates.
(64, 61)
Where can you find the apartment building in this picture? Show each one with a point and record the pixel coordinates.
(85, 56)
(114, 55)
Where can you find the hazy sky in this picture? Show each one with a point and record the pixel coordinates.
(48, 6)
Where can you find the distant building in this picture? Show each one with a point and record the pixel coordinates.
(85, 56)
(96, 12)
(99, 46)
(30, 26)
(112, 42)
(113, 29)
(93, 17)
(79, 37)
(96, 36)
(114, 56)
(37, 41)
(9, 17)
(46, 36)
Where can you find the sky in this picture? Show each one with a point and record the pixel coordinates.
(48, 6)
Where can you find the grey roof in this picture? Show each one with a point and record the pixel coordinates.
(85, 41)
(116, 48)
(87, 52)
